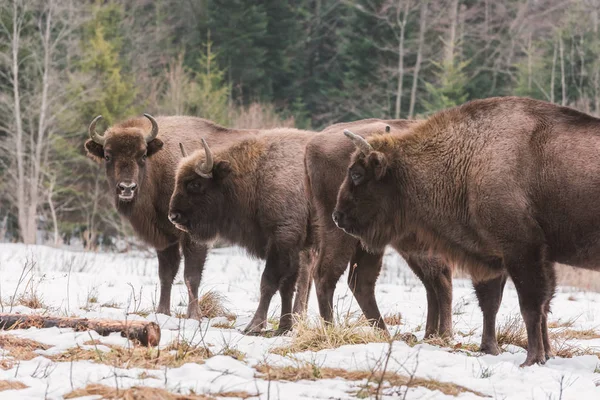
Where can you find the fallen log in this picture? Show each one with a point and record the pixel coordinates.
(146, 332)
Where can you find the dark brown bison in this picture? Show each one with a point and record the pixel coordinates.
(326, 159)
(502, 183)
(141, 156)
(251, 194)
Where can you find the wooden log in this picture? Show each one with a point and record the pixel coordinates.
(146, 332)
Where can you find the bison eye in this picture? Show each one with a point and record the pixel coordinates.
(144, 157)
(107, 158)
(194, 187)
(356, 177)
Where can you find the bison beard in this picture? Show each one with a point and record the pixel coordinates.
(251, 194)
(326, 163)
(501, 184)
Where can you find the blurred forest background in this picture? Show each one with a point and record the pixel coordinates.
(303, 63)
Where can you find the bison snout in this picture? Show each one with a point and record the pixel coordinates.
(126, 190)
(176, 218)
(338, 217)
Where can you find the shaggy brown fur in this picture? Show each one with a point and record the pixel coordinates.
(502, 183)
(255, 199)
(326, 159)
(151, 166)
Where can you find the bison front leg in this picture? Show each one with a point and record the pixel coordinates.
(436, 277)
(168, 265)
(269, 284)
(362, 277)
(489, 295)
(194, 257)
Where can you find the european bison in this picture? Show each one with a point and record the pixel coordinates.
(496, 184)
(326, 160)
(140, 168)
(251, 193)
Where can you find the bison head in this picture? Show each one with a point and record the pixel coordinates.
(365, 200)
(200, 200)
(124, 149)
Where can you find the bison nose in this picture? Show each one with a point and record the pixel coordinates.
(123, 186)
(174, 217)
(337, 217)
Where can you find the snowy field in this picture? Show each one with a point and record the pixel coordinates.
(119, 286)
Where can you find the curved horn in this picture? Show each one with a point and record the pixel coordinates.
(93, 134)
(359, 142)
(154, 132)
(205, 169)
(183, 152)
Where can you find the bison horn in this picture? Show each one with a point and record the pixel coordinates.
(205, 169)
(183, 152)
(93, 134)
(359, 142)
(154, 132)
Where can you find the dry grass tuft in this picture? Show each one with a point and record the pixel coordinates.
(584, 334)
(224, 325)
(32, 300)
(512, 331)
(561, 324)
(174, 355)
(133, 393)
(393, 319)
(146, 393)
(19, 349)
(212, 305)
(319, 336)
(313, 372)
(12, 385)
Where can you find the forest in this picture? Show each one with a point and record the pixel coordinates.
(302, 63)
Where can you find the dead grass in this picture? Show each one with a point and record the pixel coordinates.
(31, 299)
(584, 334)
(147, 393)
(512, 331)
(259, 116)
(133, 393)
(19, 349)
(313, 372)
(318, 336)
(12, 385)
(561, 324)
(174, 355)
(224, 325)
(393, 319)
(212, 305)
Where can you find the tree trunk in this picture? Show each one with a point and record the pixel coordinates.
(53, 212)
(402, 24)
(563, 85)
(422, 29)
(552, 75)
(451, 40)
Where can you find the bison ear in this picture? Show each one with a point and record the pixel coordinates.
(221, 170)
(153, 147)
(95, 151)
(378, 163)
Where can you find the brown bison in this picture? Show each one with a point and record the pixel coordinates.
(326, 160)
(251, 194)
(140, 167)
(496, 184)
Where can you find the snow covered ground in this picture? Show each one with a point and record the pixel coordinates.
(71, 283)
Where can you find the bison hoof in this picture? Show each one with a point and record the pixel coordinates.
(491, 349)
(253, 329)
(282, 331)
(534, 359)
